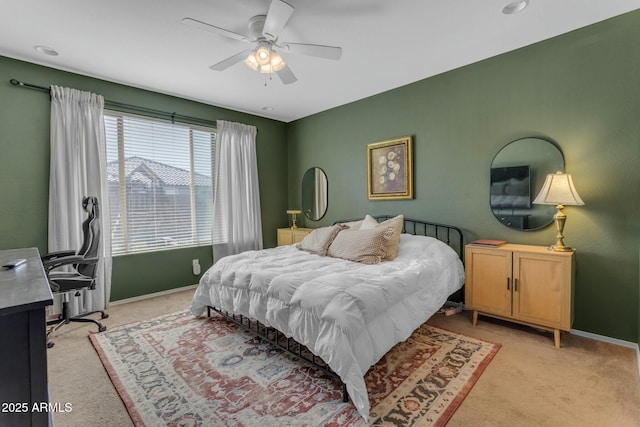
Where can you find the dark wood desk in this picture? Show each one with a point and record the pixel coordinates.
(24, 294)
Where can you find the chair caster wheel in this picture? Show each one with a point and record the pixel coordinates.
(105, 316)
(102, 328)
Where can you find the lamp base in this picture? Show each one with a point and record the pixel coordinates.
(560, 218)
(560, 248)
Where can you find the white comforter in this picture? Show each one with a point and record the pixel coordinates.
(349, 314)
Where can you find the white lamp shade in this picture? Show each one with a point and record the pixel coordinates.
(252, 62)
(558, 189)
(263, 55)
(277, 63)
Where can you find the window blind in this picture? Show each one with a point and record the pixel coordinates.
(160, 183)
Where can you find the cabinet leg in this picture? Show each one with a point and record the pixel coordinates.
(474, 322)
(556, 337)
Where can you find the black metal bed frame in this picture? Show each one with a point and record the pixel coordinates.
(281, 341)
(448, 234)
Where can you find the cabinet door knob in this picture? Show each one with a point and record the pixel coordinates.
(508, 283)
(515, 284)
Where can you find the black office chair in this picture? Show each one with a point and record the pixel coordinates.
(83, 275)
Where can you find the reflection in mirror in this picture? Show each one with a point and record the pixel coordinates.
(314, 194)
(517, 174)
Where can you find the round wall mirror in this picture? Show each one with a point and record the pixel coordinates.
(516, 177)
(314, 194)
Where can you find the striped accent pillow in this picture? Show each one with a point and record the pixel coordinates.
(396, 223)
(318, 241)
(366, 246)
(354, 225)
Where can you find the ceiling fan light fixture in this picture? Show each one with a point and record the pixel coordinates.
(252, 62)
(255, 61)
(263, 55)
(277, 63)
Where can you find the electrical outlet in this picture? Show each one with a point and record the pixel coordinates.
(195, 265)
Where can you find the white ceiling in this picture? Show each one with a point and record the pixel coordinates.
(386, 44)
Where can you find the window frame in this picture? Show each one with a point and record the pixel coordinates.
(122, 190)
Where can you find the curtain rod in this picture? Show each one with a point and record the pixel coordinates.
(120, 106)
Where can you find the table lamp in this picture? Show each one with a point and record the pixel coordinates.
(558, 189)
(293, 213)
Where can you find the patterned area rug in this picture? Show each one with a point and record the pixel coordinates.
(177, 370)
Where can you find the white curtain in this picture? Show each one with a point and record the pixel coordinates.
(237, 222)
(78, 169)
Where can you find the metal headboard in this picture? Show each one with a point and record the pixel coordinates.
(448, 234)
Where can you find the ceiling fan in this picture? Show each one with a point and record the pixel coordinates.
(264, 31)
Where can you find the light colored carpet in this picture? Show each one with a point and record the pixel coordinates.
(528, 383)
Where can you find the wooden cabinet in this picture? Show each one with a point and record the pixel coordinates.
(24, 295)
(289, 236)
(526, 284)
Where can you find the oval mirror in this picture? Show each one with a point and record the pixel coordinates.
(517, 174)
(314, 194)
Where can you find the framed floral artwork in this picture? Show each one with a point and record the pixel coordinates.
(390, 169)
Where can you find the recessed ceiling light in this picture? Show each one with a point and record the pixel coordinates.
(515, 7)
(46, 50)
(267, 108)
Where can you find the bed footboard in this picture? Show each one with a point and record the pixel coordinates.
(279, 340)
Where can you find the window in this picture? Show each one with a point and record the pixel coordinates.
(160, 183)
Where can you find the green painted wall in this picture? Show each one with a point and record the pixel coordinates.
(24, 172)
(581, 90)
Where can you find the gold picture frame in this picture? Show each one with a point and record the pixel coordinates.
(390, 169)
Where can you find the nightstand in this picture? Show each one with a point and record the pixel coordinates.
(526, 284)
(289, 236)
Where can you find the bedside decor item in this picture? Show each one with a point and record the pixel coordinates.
(293, 213)
(517, 174)
(558, 189)
(390, 169)
(491, 243)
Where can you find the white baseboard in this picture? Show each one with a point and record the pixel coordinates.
(610, 340)
(155, 294)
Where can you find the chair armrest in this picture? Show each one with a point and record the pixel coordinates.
(88, 261)
(75, 259)
(57, 254)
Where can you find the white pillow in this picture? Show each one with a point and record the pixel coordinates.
(366, 246)
(396, 224)
(318, 241)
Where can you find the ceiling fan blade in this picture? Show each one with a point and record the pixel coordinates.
(277, 16)
(287, 76)
(213, 29)
(226, 63)
(320, 51)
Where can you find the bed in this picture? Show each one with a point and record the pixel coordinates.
(348, 314)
